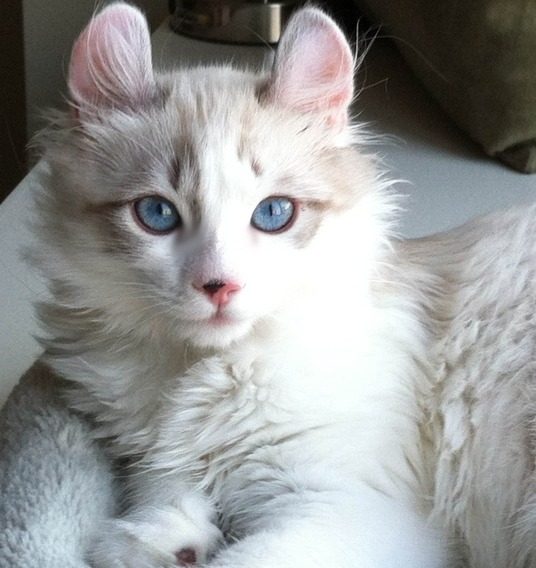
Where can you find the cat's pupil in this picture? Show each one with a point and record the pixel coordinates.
(164, 210)
(275, 209)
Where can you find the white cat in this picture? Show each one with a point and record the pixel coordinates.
(292, 385)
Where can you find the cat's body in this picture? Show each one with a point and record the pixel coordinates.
(320, 393)
(480, 372)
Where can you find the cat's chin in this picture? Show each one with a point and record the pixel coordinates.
(217, 331)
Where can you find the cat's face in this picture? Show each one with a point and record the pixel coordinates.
(203, 202)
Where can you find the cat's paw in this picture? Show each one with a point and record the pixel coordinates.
(154, 538)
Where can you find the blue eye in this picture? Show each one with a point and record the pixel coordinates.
(157, 214)
(273, 214)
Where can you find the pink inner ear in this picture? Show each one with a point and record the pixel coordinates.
(111, 60)
(314, 66)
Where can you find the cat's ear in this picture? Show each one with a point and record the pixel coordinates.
(111, 63)
(314, 67)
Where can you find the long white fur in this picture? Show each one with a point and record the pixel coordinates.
(372, 404)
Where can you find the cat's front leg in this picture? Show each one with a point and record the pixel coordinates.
(166, 525)
(335, 528)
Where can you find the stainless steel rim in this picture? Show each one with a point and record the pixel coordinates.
(250, 22)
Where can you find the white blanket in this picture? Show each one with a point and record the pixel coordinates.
(56, 484)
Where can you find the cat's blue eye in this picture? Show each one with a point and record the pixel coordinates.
(157, 214)
(273, 214)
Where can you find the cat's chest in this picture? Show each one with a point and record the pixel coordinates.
(221, 410)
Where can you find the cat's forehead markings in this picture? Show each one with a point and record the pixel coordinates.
(174, 172)
(245, 150)
(245, 154)
(256, 166)
(183, 167)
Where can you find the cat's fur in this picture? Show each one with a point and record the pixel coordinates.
(366, 403)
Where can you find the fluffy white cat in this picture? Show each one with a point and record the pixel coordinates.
(292, 386)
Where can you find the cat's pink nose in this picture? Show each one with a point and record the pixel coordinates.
(220, 292)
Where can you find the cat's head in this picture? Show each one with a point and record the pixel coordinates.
(200, 203)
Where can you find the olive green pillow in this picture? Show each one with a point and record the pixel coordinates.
(478, 59)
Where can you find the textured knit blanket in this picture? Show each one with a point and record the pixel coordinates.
(56, 484)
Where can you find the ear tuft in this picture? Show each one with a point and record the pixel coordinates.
(314, 67)
(111, 61)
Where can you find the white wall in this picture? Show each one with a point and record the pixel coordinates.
(50, 28)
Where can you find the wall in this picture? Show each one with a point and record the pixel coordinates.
(12, 102)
